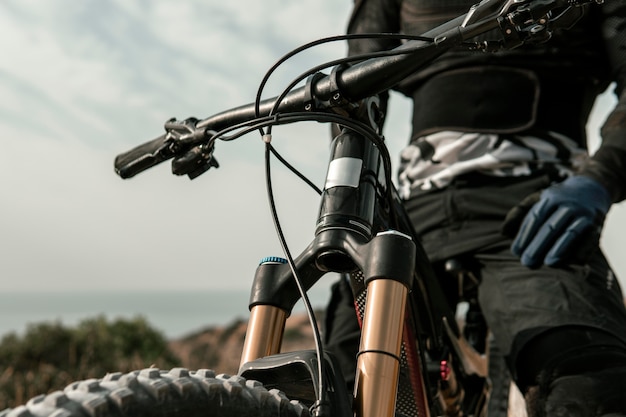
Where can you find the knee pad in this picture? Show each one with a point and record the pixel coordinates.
(567, 351)
(592, 394)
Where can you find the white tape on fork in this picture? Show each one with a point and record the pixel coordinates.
(344, 172)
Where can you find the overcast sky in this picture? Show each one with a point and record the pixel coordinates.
(83, 81)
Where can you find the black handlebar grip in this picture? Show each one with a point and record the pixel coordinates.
(142, 157)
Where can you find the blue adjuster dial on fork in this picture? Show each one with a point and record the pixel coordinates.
(273, 260)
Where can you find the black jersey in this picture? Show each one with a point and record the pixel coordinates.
(565, 76)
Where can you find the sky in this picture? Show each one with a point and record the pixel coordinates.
(81, 82)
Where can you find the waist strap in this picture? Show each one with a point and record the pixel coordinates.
(492, 99)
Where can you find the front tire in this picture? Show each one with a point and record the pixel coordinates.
(153, 392)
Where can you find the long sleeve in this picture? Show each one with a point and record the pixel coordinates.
(608, 164)
(373, 16)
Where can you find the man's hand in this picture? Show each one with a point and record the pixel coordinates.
(561, 217)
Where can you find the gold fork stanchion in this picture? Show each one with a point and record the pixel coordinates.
(264, 334)
(378, 362)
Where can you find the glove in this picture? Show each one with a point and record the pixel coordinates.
(560, 217)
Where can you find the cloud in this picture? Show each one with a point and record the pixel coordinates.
(82, 82)
(85, 82)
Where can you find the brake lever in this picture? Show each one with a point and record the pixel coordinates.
(535, 21)
(525, 21)
(489, 10)
(195, 162)
(498, 9)
(195, 151)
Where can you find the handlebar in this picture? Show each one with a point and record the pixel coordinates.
(521, 21)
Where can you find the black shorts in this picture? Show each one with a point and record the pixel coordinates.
(519, 303)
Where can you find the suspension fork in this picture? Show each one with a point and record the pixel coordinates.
(346, 241)
(387, 262)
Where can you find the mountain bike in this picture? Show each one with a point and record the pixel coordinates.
(414, 357)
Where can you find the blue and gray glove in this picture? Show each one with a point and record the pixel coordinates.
(559, 221)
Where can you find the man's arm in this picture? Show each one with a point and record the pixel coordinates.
(608, 164)
(571, 214)
(373, 16)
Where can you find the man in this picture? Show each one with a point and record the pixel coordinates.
(497, 174)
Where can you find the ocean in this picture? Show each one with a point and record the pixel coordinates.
(174, 313)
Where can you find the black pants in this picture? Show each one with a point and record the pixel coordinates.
(577, 308)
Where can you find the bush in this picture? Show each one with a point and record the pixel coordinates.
(50, 356)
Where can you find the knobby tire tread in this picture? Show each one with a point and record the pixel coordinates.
(153, 392)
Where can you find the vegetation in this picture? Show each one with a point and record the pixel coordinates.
(49, 356)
